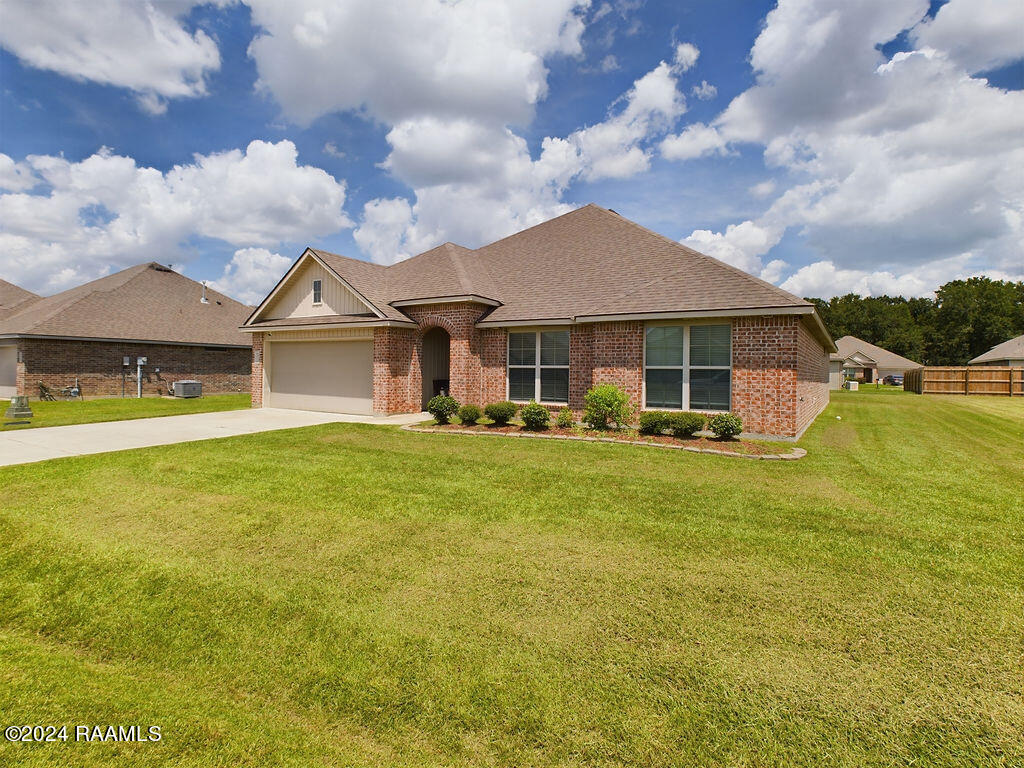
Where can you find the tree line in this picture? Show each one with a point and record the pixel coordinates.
(966, 318)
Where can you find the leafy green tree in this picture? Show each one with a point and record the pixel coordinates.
(966, 318)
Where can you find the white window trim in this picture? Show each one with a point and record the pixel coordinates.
(315, 302)
(536, 366)
(685, 366)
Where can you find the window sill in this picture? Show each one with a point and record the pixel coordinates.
(680, 410)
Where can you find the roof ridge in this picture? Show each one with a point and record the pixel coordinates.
(676, 243)
(349, 258)
(460, 268)
(541, 224)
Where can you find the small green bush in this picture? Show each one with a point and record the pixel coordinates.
(726, 425)
(606, 404)
(653, 422)
(470, 414)
(501, 413)
(685, 424)
(534, 416)
(442, 408)
(565, 419)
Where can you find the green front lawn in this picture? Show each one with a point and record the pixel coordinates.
(358, 595)
(62, 412)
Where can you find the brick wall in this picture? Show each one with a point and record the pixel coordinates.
(581, 364)
(811, 378)
(764, 362)
(394, 391)
(476, 361)
(98, 367)
(618, 355)
(256, 380)
(493, 357)
(776, 362)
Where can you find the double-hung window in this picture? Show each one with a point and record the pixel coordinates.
(538, 366)
(688, 366)
(318, 292)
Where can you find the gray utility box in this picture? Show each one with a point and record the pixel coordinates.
(187, 388)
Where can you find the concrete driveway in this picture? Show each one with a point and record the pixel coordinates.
(27, 445)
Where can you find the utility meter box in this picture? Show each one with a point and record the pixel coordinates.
(127, 361)
(141, 361)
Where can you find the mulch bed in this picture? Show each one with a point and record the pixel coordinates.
(747, 449)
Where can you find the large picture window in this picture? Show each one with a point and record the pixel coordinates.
(538, 366)
(688, 366)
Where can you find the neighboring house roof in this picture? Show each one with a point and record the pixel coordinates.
(589, 264)
(850, 347)
(148, 302)
(14, 298)
(1008, 350)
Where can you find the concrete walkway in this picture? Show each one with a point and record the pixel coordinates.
(24, 446)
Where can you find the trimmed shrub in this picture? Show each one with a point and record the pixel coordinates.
(654, 422)
(470, 414)
(565, 419)
(442, 408)
(685, 424)
(726, 425)
(501, 413)
(534, 416)
(606, 404)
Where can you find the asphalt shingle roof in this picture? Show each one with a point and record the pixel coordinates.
(851, 345)
(588, 262)
(147, 302)
(13, 298)
(1008, 350)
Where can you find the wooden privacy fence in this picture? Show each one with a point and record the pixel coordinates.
(965, 380)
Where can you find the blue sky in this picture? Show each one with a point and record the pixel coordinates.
(821, 145)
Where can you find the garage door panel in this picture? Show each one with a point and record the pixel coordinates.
(8, 372)
(334, 376)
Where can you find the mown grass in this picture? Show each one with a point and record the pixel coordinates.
(63, 412)
(356, 595)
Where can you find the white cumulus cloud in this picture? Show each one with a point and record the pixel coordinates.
(894, 165)
(705, 91)
(411, 58)
(141, 46)
(251, 274)
(106, 212)
(977, 34)
(475, 180)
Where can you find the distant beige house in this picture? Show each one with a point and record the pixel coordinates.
(1010, 353)
(864, 362)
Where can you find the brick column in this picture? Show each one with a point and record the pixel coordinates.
(581, 364)
(396, 381)
(256, 377)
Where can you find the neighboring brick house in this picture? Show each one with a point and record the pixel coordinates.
(545, 314)
(85, 334)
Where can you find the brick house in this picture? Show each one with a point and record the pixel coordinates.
(545, 314)
(84, 335)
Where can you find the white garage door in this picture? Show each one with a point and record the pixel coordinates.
(8, 372)
(334, 376)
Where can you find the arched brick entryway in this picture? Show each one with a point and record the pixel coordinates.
(436, 361)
